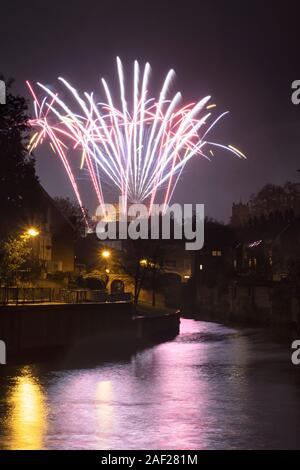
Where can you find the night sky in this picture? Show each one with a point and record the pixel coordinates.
(245, 54)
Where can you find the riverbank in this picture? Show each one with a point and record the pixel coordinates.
(249, 303)
(40, 330)
(146, 308)
(283, 334)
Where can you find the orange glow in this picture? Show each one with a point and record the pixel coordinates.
(144, 262)
(32, 232)
(28, 413)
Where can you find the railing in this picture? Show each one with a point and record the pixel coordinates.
(23, 295)
(31, 295)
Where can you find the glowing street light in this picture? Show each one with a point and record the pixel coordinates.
(32, 232)
(105, 254)
(144, 262)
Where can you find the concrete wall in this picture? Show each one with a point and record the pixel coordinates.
(105, 326)
(28, 327)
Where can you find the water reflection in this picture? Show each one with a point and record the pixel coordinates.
(211, 388)
(104, 407)
(27, 414)
(82, 413)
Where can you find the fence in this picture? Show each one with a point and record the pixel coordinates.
(30, 295)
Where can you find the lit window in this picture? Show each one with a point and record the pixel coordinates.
(201, 267)
(216, 253)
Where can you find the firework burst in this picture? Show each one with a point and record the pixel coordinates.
(140, 148)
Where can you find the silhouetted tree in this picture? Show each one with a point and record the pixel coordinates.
(275, 198)
(18, 179)
(72, 211)
(142, 260)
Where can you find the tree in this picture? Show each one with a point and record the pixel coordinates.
(18, 179)
(141, 260)
(273, 198)
(15, 253)
(72, 211)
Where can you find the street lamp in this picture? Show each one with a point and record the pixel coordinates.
(32, 232)
(105, 254)
(144, 262)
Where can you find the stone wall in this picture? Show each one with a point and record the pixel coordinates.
(269, 304)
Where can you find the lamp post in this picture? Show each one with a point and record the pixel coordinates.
(29, 233)
(151, 265)
(106, 254)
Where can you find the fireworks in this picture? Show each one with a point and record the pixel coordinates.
(140, 146)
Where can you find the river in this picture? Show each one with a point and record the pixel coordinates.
(212, 387)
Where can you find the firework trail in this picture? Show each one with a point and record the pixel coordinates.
(140, 147)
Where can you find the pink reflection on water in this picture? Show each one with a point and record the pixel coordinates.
(152, 402)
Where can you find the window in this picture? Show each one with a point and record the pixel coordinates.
(216, 253)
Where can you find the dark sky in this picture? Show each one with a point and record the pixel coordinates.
(245, 54)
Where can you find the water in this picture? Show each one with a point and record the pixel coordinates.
(211, 388)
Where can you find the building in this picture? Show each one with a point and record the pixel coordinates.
(240, 214)
(270, 201)
(54, 245)
(269, 250)
(177, 260)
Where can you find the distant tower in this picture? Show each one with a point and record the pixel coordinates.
(240, 214)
